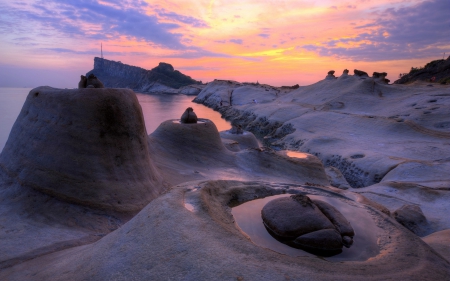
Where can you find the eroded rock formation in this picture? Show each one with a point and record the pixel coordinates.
(189, 116)
(311, 225)
(83, 148)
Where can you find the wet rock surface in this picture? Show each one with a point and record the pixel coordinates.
(312, 225)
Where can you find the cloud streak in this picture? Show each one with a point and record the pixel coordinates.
(106, 20)
(418, 31)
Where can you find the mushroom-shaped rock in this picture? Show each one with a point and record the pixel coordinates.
(380, 75)
(92, 80)
(189, 116)
(360, 73)
(86, 149)
(324, 240)
(290, 217)
(82, 83)
(330, 75)
(412, 217)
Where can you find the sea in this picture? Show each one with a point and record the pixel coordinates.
(155, 107)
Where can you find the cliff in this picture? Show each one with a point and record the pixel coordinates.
(118, 75)
(439, 69)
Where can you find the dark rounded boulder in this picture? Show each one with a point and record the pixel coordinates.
(290, 217)
(189, 116)
(312, 225)
(325, 239)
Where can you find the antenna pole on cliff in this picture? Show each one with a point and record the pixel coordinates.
(101, 50)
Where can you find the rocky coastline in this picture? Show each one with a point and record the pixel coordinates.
(87, 194)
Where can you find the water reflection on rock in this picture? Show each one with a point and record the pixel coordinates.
(248, 218)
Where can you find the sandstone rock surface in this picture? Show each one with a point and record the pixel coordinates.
(83, 146)
(205, 244)
(388, 141)
(288, 218)
(411, 217)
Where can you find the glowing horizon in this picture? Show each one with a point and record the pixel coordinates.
(273, 42)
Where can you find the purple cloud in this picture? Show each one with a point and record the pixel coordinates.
(74, 18)
(264, 35)
(236, 41)
(418, 31)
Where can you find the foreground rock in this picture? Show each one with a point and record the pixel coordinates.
(411, 217)
(83, 146)
(440, 242)
(76, 166)
(311, 225)
(167, 241)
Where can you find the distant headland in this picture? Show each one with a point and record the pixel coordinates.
(163, 78)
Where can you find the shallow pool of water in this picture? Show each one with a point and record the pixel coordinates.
(365, 246)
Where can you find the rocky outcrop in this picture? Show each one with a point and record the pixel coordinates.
(412, 217)
(330, 75)
(163, 78)
(83, 146)
(434, 71)
(360, 73)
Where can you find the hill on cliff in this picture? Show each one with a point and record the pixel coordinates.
(439, 69)
(115, 74)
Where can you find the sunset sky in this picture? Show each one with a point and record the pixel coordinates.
(52, 42)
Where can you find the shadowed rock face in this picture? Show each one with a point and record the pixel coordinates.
(93, 82)
(86, 146)
(82, 83)
(411, 217)
(360, 73)
(189, 116)
(311, 224)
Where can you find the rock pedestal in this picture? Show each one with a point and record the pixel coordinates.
(85, 146)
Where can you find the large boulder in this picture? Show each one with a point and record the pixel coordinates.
(308, 224)
(290, 217)
(85, 146)
(412, 217)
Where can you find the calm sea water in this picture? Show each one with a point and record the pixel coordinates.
(156, 109)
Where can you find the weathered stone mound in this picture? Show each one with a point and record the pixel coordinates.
(189, 141)
(412, 217)
(86, 146)
(118, 75)
(437, 69)
(312, 225)
(243, 140)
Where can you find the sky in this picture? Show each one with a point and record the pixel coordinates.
(53, 42)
